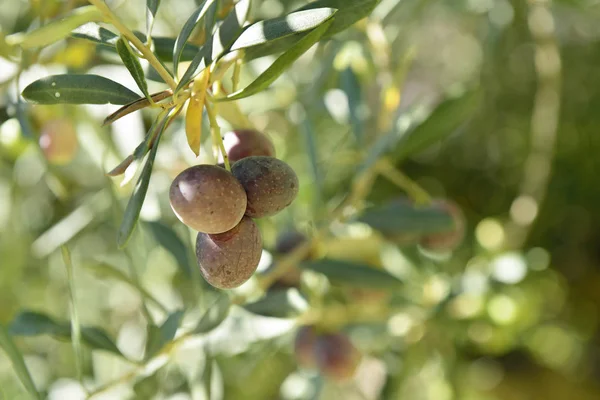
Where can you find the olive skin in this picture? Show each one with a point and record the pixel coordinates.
(229, 259)
(336, 356)
(270, 184)
(242, 143)
(58, 141)
(208, 199)
(447, 240)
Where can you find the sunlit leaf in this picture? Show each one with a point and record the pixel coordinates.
(77, 89)
(193, 21)
(132, 64)
(445, 119)
(287, 303)
(349, 11)
(18, 363)
(163, 46)
(216, 313)
(158, 337)
(167, 238)
(30, 323)
(352, 274)
(55, 30)
(222, 39)
(134, 206)
(403, 217)
(277, 28)
(280, 65)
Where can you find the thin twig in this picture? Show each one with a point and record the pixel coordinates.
(137, 105)
(145, 50)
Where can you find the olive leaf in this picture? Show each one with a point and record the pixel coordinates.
(280, 65)
(222, 39)
(77, 89)
(31, 323)
(132, 64)
(134, 206)
(194, 20)
(352, 274)
(158, 337)
(55, 30)
(272, 29)
(18, 363)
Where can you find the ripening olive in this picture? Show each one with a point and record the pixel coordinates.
(58, 141)
(270, 184)
(244, 143)
(336, 356)
(208, 199)
(229, 259)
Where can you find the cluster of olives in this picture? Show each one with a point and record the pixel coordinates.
(333, 354)
(220, 205)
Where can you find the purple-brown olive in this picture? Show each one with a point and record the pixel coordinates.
(336, 356)
(208, 199)
(270, 184)
(229, 259)
(242, 143)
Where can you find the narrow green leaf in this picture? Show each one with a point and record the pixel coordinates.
(18, 363)
(163, 46)
(151, 10)
(445, 119)
(96, 338)
(222, 39)
(132, 64)
(280, 65)
(286, 303)
(277, 28)
(351, 86)
(186, 30)
(158, 337)
(75, 326)
(167, 238)
(214, 315)
(31, 323)
(55, 30)
(349, 11)
(134, 206)
(352, 274)
(399, 217)
(95, 33)
(77, 89)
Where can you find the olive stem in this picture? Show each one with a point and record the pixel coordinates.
(390, 172)
(216, 132)
(145, 50)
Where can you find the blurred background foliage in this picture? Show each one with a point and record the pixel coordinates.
(512, 314)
